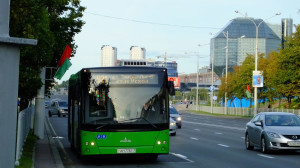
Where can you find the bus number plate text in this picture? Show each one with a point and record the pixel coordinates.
(126, 150)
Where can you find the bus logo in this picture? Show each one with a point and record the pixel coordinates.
(125, 140)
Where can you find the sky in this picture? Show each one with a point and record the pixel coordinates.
(181, 29)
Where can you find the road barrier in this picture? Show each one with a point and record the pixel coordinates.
(25, 123)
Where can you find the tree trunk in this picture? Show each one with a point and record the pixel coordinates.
(289, 101)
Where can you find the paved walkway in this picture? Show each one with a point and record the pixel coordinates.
(46, 154)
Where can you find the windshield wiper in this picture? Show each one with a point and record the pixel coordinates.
(104, 125)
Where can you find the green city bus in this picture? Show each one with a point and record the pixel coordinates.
(119, 110)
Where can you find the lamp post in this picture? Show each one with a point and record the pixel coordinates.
(256, 51)
(226, 71)
(212, 81)
(226, 65)
(197, 78)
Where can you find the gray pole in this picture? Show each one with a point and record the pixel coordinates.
(9, 75)
(226, 73)
(197, 83)
(40, 108)
(212, 82)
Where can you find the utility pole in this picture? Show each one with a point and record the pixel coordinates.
(226, 72)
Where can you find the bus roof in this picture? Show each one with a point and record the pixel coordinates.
(126, 69)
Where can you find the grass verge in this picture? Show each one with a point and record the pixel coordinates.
(26, 158)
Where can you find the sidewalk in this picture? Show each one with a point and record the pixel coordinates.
(46, 154)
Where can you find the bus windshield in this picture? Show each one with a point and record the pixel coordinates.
(125, 99)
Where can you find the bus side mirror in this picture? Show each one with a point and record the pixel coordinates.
(171, 88)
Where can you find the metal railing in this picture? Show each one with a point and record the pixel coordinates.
(236, 110)
(25, 123)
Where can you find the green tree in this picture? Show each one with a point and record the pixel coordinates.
(270, 65)
(288, 74)
(54, 24)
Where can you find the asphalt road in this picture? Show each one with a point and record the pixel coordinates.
(203, 141)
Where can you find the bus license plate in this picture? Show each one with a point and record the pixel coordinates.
(126, 151)
(293, 143)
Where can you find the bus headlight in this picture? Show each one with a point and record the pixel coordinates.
(92, 143)
(158, 142)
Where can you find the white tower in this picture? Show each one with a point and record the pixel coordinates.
(108, 56)
(137, 53)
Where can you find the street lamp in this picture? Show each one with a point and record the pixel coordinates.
(226, 65)
(256, 51)
(197, 94)
(197, 75)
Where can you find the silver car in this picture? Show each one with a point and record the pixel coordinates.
(273, 131)
(174, 114)
(58, 107)
(172, 127)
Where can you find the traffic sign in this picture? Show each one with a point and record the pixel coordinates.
(212, 88)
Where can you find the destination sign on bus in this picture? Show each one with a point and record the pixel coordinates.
(126, 79)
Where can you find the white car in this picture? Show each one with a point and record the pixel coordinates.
(172, 127)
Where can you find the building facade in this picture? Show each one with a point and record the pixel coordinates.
(171, 66)
(189, 81)
(287, 29)
(137, 53)
(108, 56)
(241, 33)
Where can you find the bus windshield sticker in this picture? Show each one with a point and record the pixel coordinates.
(127, 79)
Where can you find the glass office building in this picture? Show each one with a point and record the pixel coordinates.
(241, 41)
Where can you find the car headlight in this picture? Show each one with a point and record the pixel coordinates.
(273, 135)
(179, 119)
(172, 123)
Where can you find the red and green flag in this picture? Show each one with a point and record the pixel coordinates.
(64, 63)
(248, 92)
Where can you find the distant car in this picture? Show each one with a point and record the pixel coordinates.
(58, 107)
(172, 127)
(273, 131)
(47, 104)
(175, 116)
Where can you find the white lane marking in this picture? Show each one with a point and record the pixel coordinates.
(266, 156)
(213, 125)
(226, 146)
(182, 157)
(196, 129)
(218, 133)
(194, 138)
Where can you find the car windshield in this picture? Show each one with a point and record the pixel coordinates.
(282, 120)
(63, 104)
(173, 111)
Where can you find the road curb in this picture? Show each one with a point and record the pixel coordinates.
(54, 150)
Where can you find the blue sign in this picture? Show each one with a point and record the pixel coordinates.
(99, 136)
(212, 88)
(258, 80)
